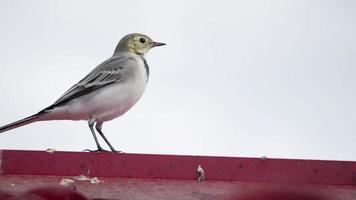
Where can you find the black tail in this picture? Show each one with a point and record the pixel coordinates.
(19, 123)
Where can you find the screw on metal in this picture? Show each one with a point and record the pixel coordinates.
(201, 175)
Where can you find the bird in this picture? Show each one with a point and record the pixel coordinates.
(105, 93)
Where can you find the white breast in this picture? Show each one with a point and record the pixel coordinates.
(119, 98)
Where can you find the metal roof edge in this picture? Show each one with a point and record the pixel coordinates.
(216, 168)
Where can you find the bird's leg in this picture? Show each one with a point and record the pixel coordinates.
(98, 127)
(91, 124)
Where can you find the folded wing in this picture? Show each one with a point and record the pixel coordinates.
(107, 73)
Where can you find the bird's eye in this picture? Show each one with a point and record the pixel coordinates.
(142, 40)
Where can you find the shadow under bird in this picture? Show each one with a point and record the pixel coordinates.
(107, 92)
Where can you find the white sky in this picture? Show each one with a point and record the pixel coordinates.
(237, 78)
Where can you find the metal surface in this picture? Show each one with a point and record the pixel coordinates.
(173, 189)
(140, 176)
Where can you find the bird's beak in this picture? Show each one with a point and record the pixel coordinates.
(157, 44)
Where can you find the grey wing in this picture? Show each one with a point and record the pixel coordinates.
(107, 73)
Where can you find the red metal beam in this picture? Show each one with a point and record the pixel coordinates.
(178, 167)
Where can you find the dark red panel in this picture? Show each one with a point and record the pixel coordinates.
(173, 189)
(178, 167)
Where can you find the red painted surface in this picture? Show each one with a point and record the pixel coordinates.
(178, 167)
(162, 177)
(174, 189)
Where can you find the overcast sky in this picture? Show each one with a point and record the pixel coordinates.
(237, 78)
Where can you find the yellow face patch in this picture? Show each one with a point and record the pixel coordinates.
(139, 44)
(136, 43)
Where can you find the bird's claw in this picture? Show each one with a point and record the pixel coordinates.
(102, 150)
(97, 150)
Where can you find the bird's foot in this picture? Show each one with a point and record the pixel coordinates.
(102, 150)
(115, 151)
(97, 150)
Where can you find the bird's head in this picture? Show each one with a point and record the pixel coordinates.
(136, 43)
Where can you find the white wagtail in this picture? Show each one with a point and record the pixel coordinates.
(107, 92)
